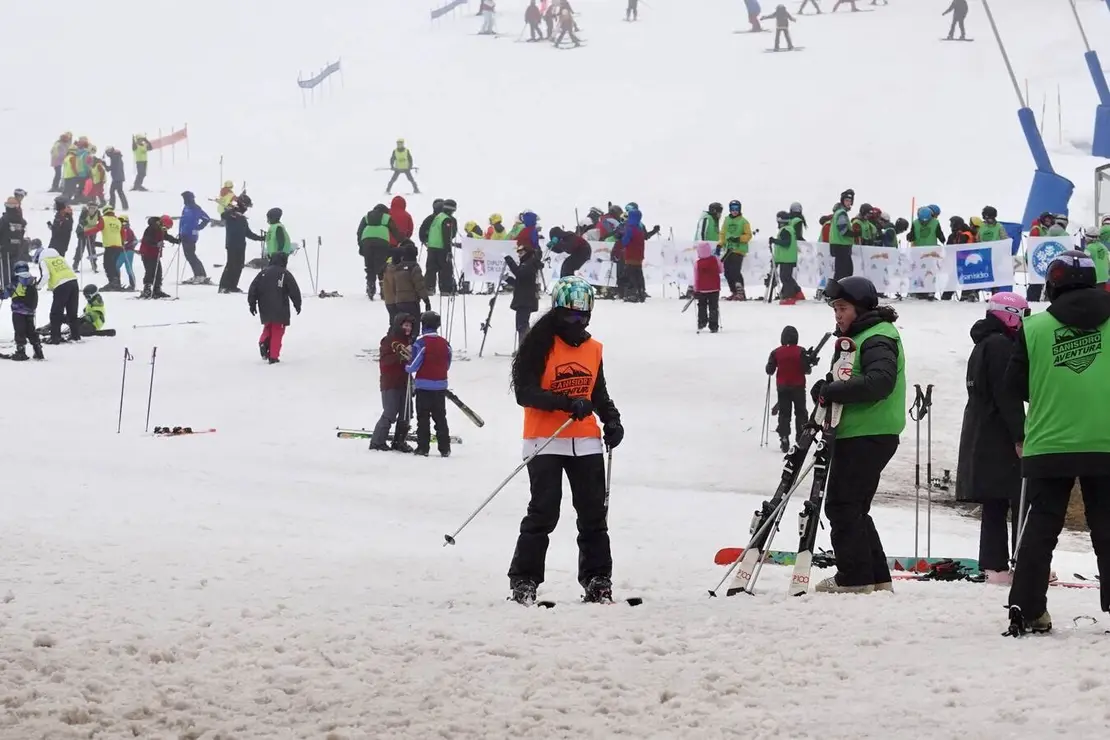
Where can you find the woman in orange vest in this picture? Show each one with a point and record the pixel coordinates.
(557, 374)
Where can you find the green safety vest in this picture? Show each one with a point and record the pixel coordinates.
(57, 271)
(925, 233)
(1065, 374)
(835, 237)
(377, 231)
(69, 167)
(271, 240)
(787, 253)
(867, 231)
(712, 228)
(139, 149)
(112, 233)
(435, 233)
(515, 231)
(1101, 257)
(735, 226)
(991, 232)
(402, 160)
(94, 312)
(887, 416)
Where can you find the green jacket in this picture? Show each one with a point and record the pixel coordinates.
(708, 228)
(924, 233)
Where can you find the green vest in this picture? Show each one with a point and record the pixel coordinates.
(835, 237)
(925, 233)
(1101, 257)
(112, 233)
(735, 226)
(94, 312)
(379, 231)
(515, 231)
(57, 271)
(991, 232)
(887, 416)
(787, 253)
(140, 150)
(1065, 374)
(402, 160)
(435, 233)
(867, 231)
(69, 167)
(272, 243)
(712, 228)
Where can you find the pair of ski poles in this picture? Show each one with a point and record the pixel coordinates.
(128, 357)
(922, 404)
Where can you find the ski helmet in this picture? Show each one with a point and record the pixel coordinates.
(1106, 220)
(108, 210)
(856, 289)
(935, 209)
(848, 194)
(990, 213)
(595, 213)
(449, 205)
(795, 207)
(90, 290)
(615, 211)
(166, 221)
(470, 227)
(1061, 219)
(865, 210)
(21, 270)
(1069, 271)
(574, 293)
(11, 203)
(124, 218)
(1009, 308)
(495, 219)
(632, 206)
(229, 184)
(924, 214)
(36, 255)
(430, 320)
(715, 207)
(274, 215)
(437, 205)
(976, 222)
(734, 205)
(244, 202)
(782, 217)
(1092, 232)
(20, 193)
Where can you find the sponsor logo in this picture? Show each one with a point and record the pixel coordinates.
(1076, 349)
(974, 266)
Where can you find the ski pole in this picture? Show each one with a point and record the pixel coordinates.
(916, 416)
(928, 472)
(764, 434)
(150, 391)
(449, 539)
(123, 384)
(319, 243)
(608, 476)
(1022, 518)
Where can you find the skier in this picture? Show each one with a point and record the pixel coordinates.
(753, 14)
(783, 19)
(119, 177)
(577, 250)
(277, 237)
(709, 224)
(140, 147)
(735, 236)
(431, 361)
(496, 229)
(1057, 366)
(62, 281)
(237, 231)
(526, 300)
(268, 297)
(71, 179)
(925, 231)
(401, 162)
(57, 155)
(395, 351)
(784, 251)
(841, 237)
(558, 375)
(790, 364)
(376, 231)
(403, 285)
(13, 235)
(93, 317)
(549, 20)
(805, 3)
(127, 256)
(23, 292)
(872, 418)
(226, 199)
(192, 222)
(958, 9)
(110, 229)
(632, 12)
(440, 241)
(88, 219)
(707, 287)
(989, 467)
(150, 250)
(529, 236)
(532, 17)
(632, 250)
(864, 231)
(486, 9)
(567, 26)
(990, 230)
(61, 227)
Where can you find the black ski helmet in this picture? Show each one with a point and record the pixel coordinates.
(90, 290)
(244, 202)
(865, 209)
(437, 205)
(1068, 271)
(848, 194)
(782, 217)
(856, 289)
(716, 208)
(990, 213)
(795, 207)
(449, 205)
(274, 215)
(430, 320)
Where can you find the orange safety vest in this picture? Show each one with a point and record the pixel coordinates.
(570, 371)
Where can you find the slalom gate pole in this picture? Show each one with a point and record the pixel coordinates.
(1022, 517)
(150, 391)
(449, 539)
(123, 384)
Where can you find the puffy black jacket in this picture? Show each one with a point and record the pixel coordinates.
(61, 230)
(525, 295)
(272, 290)
(237, 230)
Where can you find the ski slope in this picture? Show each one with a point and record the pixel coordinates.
(271, 581)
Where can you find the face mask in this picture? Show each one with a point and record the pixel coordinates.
(571, 326)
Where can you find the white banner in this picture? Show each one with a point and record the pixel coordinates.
(1039, 253)
(978, 266)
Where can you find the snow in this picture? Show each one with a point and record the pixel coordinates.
(271, 581)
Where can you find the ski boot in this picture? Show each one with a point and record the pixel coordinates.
(148, 292)
(830, 586)
(1019, 625)
(274, 360)
(599, 590)
(38, 355)
(523, 592)
(445, 453)
(400, 445)
(264, 349)
(20, 354)
(421, 451)
(380, 446)
(784, 443)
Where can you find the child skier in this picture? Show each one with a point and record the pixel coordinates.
(150, 250)
(784, 248)
(127, 256)
(94, 316)
(89, 218)
(396, 351)
(24, 295)
(269, 297)
(789, 363)
(707, 287)
(735, 236)
(783, 19)
(431, 359)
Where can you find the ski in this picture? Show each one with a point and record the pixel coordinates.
(467, 411)
(178, 431)
(366, 434)
(630, 601)
(966, 577)
(827, 559)
(776, 51)
(957, 39)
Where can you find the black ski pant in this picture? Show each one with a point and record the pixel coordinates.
(957, 22)
(83, 243)
(140, 176)
(634, 288)
(842, 261)
(64, 309)
(1048, 505)
(111, 264)
(792, 402)
(115, 189)
(995, 538)
(783, 33)
(587, 489)
(523, 323)
(152, 273)
(71, 188)
(23, 326)
(565, 32)
(431, 406)
(233, 268)
(7, 259)
(56, 183)
(788, 285)
(438, 264)
(395, 409)
(857, 465)
(632, 12)
(806, 3)
(396, 175)
(709, 310)
(534, 32)
(375, 256)
(189, 251)
(734, 275)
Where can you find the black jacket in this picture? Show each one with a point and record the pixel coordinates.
(13, 231)
(577, 250)
(878, 361)
(531, 395)
(994, 420)
(1084, 308)
(271, 291)
(115, 167)
(61, 230)
(237, 230)
(526, 273)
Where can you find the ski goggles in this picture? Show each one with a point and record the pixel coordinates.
(570, 316)
(1022, 312)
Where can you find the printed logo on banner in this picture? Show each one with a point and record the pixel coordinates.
(1043, 254)
(479, 263)
(974, 266)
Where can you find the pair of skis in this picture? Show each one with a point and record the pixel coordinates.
(819, 431)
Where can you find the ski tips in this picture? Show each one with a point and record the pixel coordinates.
(448, 540)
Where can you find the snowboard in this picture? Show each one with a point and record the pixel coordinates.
(776, 51)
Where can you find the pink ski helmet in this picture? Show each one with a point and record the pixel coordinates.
(1010, 308)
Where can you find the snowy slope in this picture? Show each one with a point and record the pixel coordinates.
(270, 581)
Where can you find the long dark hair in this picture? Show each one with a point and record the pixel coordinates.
(531, 356)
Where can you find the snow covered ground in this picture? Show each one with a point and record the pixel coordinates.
(271, 581)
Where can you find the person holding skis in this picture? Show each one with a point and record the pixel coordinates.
(958, 9)
(395, 351)
(268, 297)
(558, 376)
(790, 364)
(707, 287)
(23, 292)
(873, 415)
(734, 239)
(1058, 367)
(783, 19)
(431, 361)
(989, 468)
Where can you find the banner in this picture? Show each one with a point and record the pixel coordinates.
(173, 137)
(1039, 253)
(312, 82)
(978, 266)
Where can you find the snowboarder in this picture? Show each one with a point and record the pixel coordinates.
(150, 251)
(192, 222)
(395, 351)
(401, 162)
(707, 287)
(431, 361)
(989, 467)
(526, 299)
(807, 3)
(783, 19)
(735, 236)
(872, 418)
(558, 375)
(23, 292)
(237, 231)
(62, 281)
(958, 9)
(1058, 367)
(403, 286)
(790, 364)
(268, 297)
(577, 250)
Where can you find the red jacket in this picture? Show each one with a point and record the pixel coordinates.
(401, 218)
(634, 249)
(151, 245)
(392, 363)
(707, 275)
(787, 362)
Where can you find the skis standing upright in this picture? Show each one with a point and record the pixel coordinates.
(492, 303)
(809, 519)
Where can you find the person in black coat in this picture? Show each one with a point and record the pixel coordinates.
(13, 240)
(426, 224)
(61, 228)
(236, 233)
(119, 177)
(526, 299)
(269, 296)
(375, 250)
(989, 467)
(577, 250)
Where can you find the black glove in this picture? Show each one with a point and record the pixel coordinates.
(427, 304)
(613, 433)
(298, 310)
(254, 310)
(580, 408)
(818, 389)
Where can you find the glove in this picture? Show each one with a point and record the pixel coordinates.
(581, 408)
(613, 433)
(254, 310)
(427, 304)
(298, 308)
(818, 390)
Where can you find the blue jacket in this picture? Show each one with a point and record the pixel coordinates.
(634, 219)
(430, 369)
(753, 6)
(193, 219)
(530, 221)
